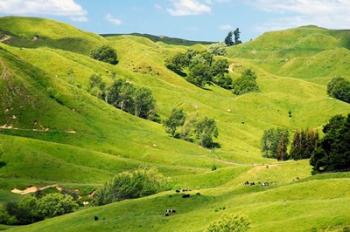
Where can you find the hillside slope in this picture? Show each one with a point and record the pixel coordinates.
(54, 132)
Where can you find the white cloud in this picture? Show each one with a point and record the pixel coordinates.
(189, 7)
(66, 8)
(325, 13)
(226, 27)
(110, 18)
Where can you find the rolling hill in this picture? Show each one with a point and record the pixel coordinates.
(54, 132)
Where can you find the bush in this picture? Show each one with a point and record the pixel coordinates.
(274, 144)
(199, 74)
(105, 54)
(25, 211)
(177, 63)
(230, 223)
(128, 185)
(339, 88)
(246, 83)
(56, 204)
(218, 49)
(333, 151)
(6, 218)
(304, 144)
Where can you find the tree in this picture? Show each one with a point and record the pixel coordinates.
(246, 83)
(205, 131)
(217, 49)
(304, 144)
(178, 62)
(229, 39)
(177, 118)
(333, 150)
(144, 103)
(105, 54)
(219, 70)
(237, 35)
(55, 204)
(339, 88)
(274, 143)
(230, 223)
(199, 75)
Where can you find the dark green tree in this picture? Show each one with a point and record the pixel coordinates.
(178, 62)
(246, 83)
(304, 144)
(229, 39)
(55, 204)
(176, 119)
(199, 75)
(339, 88)
(237, 35)
(105, 54)
(144, 103)
(333, 150)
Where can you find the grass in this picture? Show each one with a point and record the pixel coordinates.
(61, 134)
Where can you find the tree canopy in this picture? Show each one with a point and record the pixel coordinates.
(339, 88)
(105, 54)
(246, 83)
(333, 150)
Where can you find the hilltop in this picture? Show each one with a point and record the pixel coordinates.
(55, 132)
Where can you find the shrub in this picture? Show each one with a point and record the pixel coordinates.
(230, 223)
(304, 144)
(217, 49)
(339, 88)
(177, 118)
(56, 204)
(246, 83)
(6, 218)
(333, 150)
(128, 185)
(177, 63)
(25, 211)
(105, 54)
(274, 144)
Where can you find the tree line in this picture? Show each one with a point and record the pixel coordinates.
(201, 69)
(328, 154)
(125, 96)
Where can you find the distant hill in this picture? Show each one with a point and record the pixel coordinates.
(164, 39)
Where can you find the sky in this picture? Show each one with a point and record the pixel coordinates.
(206, 20)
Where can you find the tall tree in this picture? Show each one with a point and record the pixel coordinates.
(229, 39)
(304, 144)
(177, 118)
(237, 35)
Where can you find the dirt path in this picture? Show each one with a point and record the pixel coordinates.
(34, 189)
(5, 38)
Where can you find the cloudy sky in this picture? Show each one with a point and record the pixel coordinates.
(191, 19)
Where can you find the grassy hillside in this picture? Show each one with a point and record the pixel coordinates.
(54, 132)
(309, 52)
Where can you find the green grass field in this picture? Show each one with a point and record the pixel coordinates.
(78, 141)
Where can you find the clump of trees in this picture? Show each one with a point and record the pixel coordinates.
(274, 143)
(131, 99)
(129, 185)
(230, 223)
(125, 96)
(200, 68)
(30, 209)
(105, 54)
(230, 41)
(246, 83)
(333, 150)
(202, 131)
(339, 88)
(304, 144)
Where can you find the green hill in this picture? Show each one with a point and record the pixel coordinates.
(54, 132)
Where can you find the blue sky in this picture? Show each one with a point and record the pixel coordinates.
(190, 19)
